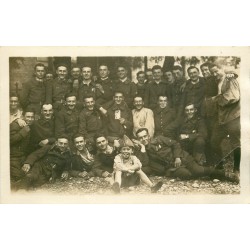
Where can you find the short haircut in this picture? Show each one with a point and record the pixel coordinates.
(70, 94)
(98, 135)
(118, 91)
(78, 135)
(206, 64)
(162, 95)
(149, 69)
(157, 67)
(86, 66)
(46, 104)
(29, 110)
(190, 103)
(192, 67)
(138, 96)
(88, 96)
(39, 65)
(139, 73)
(63, 136)
(75, 67)
(214, 65)
(14, 94)
(103, 64)
(62, 65)
(140, 130)
(177, 67)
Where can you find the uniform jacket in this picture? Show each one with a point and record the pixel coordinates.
(90, 122)
(19, 140)
(113, 126)
(152, 91)
(85, 90)
(67, 122)
(108, 88)
(33, 92)
(129, 90)
(163, 150)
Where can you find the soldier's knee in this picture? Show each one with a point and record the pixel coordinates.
(182, 173)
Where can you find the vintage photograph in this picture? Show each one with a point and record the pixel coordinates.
(125, 125)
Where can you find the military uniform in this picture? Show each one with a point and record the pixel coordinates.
(40, 130)
(152, 92)
(162, 153)
(195, 94)
(113, 126)
(128, 89)
(67, 122)
(85, 90)
(56, 90)
(33, 95)
(106, 94)
(19, 149)
(47, 163)
(163, 117)
(196, 130)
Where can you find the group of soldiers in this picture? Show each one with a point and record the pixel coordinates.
(85, 126)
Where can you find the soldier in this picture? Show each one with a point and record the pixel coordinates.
(141, 84)
(154, 89)
(67, 119)
(194, 91)
(175, 89)
(46, 165)
(84, 164)
(149, 76)
(76, 77)
(33, 93)
(193, 134)
(119, 118)
(104, 86)
(167, 158)
(19, 145)
(164, 117)
(87, 86)
(90, 121)
(43, 130)
(125, 85)
(58, 88)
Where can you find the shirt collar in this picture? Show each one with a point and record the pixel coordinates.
(124, 80)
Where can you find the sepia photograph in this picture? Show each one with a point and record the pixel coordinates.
(125, 125)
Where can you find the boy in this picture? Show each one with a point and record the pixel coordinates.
(127, 168)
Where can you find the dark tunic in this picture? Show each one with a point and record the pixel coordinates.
(33, 94)
(90, 123)
(107, 95)
(85, 90)
(113, 126)
(152, 92)
(129, 90)
(67, 122)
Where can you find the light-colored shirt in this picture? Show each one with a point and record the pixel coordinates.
(15, 116)
(143, 118)
(121, 165)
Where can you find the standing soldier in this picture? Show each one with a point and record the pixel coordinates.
(58, 88)
(34, 92)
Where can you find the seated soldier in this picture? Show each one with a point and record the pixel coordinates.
(127, 169)
(192, 134)
(67, 119)
(90, 121)
(46, 165)
(164, 118)
(105, 153)
(167, 158)
(83, 163)
(119, 118)
(43, 129)
(19, 145)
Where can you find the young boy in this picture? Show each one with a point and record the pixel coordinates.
(127, 169)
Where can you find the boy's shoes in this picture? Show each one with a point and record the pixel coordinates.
(156, 187)
(116, 188)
